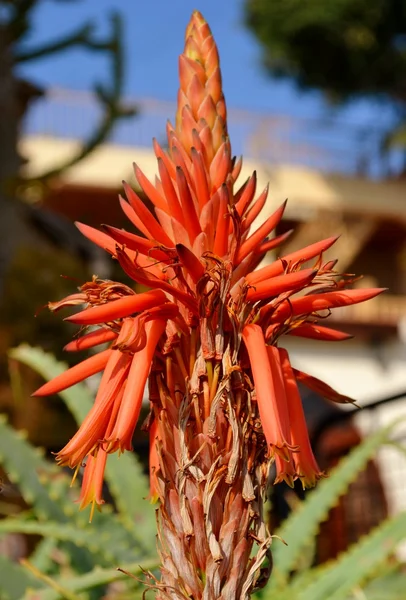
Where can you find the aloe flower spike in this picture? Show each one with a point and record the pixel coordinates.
(207, 336)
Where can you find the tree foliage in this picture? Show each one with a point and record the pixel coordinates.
(343, 47)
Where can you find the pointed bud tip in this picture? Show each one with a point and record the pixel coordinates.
(376, 291)
(198, 15)
(331, 241)
(41, 392)
(70, 319)
(196, 19)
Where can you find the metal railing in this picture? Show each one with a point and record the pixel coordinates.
(323, 144)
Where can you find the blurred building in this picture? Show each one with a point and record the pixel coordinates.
(334, 178)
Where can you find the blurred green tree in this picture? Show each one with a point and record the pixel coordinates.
(345, 48)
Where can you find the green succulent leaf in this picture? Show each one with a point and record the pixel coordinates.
(96, 578)
(391, 586)
(15, 580)
(78, 398)
(354, 566)
(41, 558)
(124, 474)
(26, 467)
(109, 539)
(129, 487)
(303, 524)
(44, 486)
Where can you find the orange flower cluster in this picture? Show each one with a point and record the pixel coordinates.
(210, 310)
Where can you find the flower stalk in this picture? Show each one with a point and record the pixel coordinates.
(223, 396)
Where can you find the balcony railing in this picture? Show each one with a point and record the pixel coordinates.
(328, 145)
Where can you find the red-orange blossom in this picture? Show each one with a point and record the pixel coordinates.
(207, 335)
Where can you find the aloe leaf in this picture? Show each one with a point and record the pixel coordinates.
(41, 557)
(109, 538)
(26, 467)
(124, 474)
(303, 524)
(390, 587)
(305, 579)
(78, 398)
(129, 487)
(15, 580)
(355, 565)
(46, 488)
(95, 578)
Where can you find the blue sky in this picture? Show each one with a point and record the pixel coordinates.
(154, 32)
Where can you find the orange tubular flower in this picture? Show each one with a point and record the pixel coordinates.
(270, 393)
(93, 481)
(306, 467)
(224, 402)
